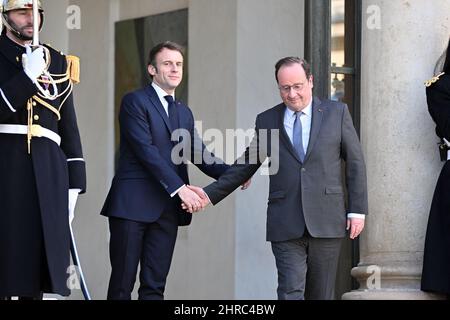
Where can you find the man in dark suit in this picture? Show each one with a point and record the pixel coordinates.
(306, 215)
(143, 204)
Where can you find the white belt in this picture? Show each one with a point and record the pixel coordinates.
(36, 131)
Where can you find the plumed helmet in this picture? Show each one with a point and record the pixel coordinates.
(9, 5)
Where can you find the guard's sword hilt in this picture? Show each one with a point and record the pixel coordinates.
(35, 24)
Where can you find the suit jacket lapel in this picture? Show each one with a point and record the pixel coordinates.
(317, 115)
(158, 106)
(284, 136)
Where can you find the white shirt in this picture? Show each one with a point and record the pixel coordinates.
(161, 94)
(306, 119)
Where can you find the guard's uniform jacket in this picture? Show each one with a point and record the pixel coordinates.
(436, 262)
(34, 183)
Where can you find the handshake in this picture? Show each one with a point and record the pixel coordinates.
(195, 199)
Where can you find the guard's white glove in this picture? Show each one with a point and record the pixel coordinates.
(33, 62)
(73, 196)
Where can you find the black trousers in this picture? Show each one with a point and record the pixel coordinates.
(149, 244)
(307, 267)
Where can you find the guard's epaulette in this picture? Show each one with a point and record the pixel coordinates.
(428, 83)
(49, 46)
(73, 65)
(73, 68)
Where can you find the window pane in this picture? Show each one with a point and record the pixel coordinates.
(338, 33)
(337, 87)
(342, 89)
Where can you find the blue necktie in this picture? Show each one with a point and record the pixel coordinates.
(297, 137)
(173, 114)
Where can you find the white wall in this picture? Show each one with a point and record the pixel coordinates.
(94, 99)
(267, 31)
(203, 265)
(55, 20)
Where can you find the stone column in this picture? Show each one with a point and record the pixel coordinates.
(401, 43)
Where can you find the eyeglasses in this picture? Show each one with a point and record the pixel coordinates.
(296, 87)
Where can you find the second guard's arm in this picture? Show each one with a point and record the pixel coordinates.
(438, 94)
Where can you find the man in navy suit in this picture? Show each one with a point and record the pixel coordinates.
(144, 202)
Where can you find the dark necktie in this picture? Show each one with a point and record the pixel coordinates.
(297, 137)
(173, 114)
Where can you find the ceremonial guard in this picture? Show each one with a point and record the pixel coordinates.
(40, 156)
(436, 262)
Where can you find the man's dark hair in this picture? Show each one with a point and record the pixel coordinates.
(159, 47)
(290, 61)
(447, 60)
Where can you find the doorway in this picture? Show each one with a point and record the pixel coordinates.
(333, 48)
